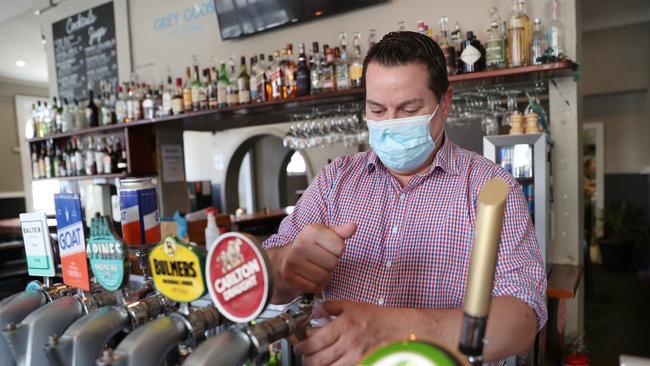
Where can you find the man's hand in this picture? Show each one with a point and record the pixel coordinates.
(357, 328)
(310, 260)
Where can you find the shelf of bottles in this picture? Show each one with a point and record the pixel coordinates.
(267, 88)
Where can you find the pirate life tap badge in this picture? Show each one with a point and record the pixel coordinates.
(412, 352)
(107, 254)
(177, 269)
(238, 275)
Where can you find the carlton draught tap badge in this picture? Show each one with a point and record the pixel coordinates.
(238, 277)
(177, 270)
(107, 254)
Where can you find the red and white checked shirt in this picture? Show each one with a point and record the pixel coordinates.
(413, 243)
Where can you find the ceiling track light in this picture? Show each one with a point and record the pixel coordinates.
(52, 4)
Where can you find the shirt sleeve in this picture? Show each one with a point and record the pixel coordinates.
(520, 268)
(310, 208)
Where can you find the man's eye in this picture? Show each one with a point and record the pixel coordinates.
(411, 110)
(377, 111)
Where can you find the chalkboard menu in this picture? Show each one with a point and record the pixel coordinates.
(85, 51)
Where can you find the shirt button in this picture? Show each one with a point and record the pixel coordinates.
(380, 301)
(402, 196)
(395, 229)
(388, 264)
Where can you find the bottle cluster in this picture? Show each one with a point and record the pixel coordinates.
(74, 157)
(510, 43)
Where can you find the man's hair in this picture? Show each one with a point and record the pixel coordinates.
(403, 48)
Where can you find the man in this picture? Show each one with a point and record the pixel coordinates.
(386, 235)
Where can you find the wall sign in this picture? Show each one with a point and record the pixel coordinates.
(38, 247)
(238, 277)
(85, 51)
(177, 270)
(107, 254)
(72, 242)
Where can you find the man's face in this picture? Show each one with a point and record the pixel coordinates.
(403, 91)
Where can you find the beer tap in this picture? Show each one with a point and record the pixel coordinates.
(83, 341)
(16, 307)
(151, 343)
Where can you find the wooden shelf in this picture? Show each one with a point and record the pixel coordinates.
(87, 177)
(560, 68)
(85, 131)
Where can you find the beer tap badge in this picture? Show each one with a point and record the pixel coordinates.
(107, 254)
(177, 269)
(411, 352)
(72, 243)
(38, 248)
(238, 275)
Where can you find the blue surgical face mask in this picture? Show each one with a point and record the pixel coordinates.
(403, 144)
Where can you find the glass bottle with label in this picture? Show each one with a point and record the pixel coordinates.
(196, 87)
(356, 64)
(203, 90)
(262, 80)
(538, 43)
(243, 83)
(445, 44)
(178, 105)
(167, 97)
(372, 37)
(232, 93)
(92, 114)
(277, 78)
(472, 54)
(222, 86)
(213, 97)
(120, 105)
(495, 46)
(187, 91)
(302, 73)
(65, 117)
(252, 79)
(108, 109)
(457, 43)
(147, 105)
(329, 75)
(342, 64)
(290, 68)
(268, 72)
(519, 35)
(316, 71)
(554, 32)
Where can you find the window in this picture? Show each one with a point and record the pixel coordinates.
(296, 165)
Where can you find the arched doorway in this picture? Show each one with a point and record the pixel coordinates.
(257, 177)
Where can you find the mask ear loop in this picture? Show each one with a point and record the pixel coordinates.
(442, 130)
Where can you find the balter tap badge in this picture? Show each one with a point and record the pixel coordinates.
(107, 254)
(177, 269)
(238, 277)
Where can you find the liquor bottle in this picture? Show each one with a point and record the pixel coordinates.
(107, 109)
(445, 45)
(260, 76)
(554, 33)
(60, 162)
(243, 83)
(80, 116)
(290, 68)
(65, 117)
(302, 73)
(187, 91)
(372, 37)
(537, 43)
(457, 43)
(519, 35)
(46, 119)
(178, 106)
(232, 93)
(213, 98)
(39, 131)
(222, 86)
(167, 98)
(69, 158)
(35, 162)
(356, 64)
(495, 46)
(78, 157)
(139, 95)
(252, 79)
(107, 165)
(316, 71)
(120, 105)
(147, 105)
(268, 73)
(203, 90)
(55, 162)
(99, 156)
(121, 161)
(55, 116)
(277, 78)
(329, 74)
(41, 162)
(196, 88)
(342, 64)
(48, 160)
(91, 110)
(472, 54)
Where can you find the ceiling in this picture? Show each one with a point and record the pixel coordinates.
(20, 39)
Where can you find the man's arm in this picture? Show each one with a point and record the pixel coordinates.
(359, 327)
(282, 292)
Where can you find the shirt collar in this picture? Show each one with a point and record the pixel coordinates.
(446, 159)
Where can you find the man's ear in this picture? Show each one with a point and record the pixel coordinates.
(445, 102)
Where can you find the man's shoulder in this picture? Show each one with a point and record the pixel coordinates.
(349, 163)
